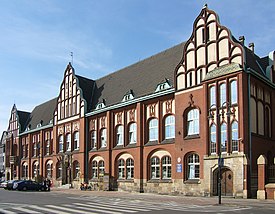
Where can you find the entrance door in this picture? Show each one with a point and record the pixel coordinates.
(227, 182)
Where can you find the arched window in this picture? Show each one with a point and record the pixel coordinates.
(94, 169)
(76, 141)
(222, 94)
(166, 167)
(119, 135)
(223, 137)
(193, 123)
(170, 127)
(213, 139)
(25, 171)
(103, 136)
(212, 95)
(133, 133)
(60, 143)
(59, 169)
(76, 173)
(48, 146)
(68, 142)
(193, 168)
(153, 129)
(49, 170)
(233, 92)
(235, 136)
(93, 140)
(155, 168)
(101, 167)
(121, 168)
(129, 168)
(36, 169)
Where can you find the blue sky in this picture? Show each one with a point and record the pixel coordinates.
(37, 37)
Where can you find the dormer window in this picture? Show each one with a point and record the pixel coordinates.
(163, 85)
(128, 96)
(28, 128)
(100, 105)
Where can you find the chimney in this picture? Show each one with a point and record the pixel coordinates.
(251, 46)
(241, 40)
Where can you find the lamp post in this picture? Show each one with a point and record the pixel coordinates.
(212, 108)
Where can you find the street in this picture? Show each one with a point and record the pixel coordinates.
(93, 202)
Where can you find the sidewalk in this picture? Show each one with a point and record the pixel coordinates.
(157, 198)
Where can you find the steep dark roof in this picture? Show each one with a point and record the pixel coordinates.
(23, 119)
(142, 77)
(43, 112)
(254, 62)
(87, 86)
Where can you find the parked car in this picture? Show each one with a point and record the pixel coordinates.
(10, 184)
(3, 184)
(29, 185)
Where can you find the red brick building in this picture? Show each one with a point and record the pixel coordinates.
(162, 124)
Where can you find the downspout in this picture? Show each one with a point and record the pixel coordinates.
(86, 152)
(249, 131)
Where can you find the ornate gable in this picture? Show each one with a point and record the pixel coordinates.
(70, 102)
(210, 46)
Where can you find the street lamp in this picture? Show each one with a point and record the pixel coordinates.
(228, 112)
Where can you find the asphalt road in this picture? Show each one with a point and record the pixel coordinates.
(93, 202)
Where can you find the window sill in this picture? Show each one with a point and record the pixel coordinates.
(150, 143)
(194, 136)
(118, 147)
(159, 181)
(131, 145)
(125, 180)
(192, 181)
(168, 141)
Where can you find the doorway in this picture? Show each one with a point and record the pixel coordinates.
(226, 182)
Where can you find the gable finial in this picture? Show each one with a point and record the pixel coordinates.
(72, 55)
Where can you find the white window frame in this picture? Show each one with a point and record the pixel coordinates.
(119, 135)
(235, 136)
(61, 143)
(103, 137)
(155, 168)
(222, 89)
(153, 129)
(193, 162)
(212, 95)
(68, 142)
(94, 169)
(121, 169)
(223, 145)
(76, 140)
(101, 167)
(193, 124)
(129, 168)
(132, 133)
(170, 127)
(233, 92)
(166, 166)
(213, 139)
(93, 140)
